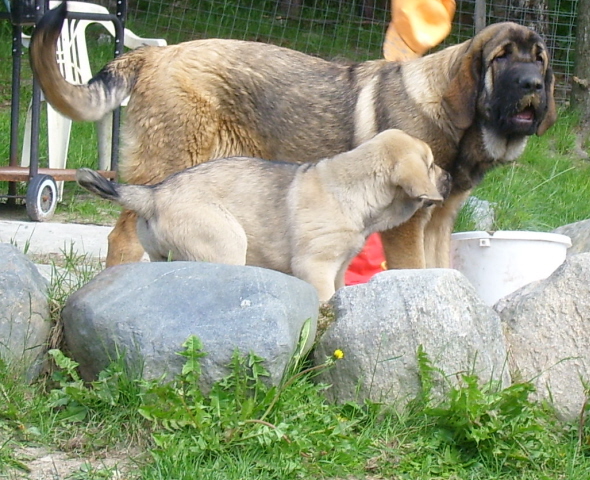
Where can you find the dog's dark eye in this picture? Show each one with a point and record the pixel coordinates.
(540, 58)
(502, 56)
(504, 53)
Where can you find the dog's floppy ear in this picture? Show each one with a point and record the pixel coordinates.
(431, 200)
(430, 195)
(460, 98)
(551, 112)
(416, 184)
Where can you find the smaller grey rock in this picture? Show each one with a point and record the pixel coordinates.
(24, 311)
(546, 326)
(482, 213)
(579, 232)
(380, 325)
(148, 310)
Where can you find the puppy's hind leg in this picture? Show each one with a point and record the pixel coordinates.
(217, 238)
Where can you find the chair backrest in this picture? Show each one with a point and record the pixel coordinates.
(72, 53)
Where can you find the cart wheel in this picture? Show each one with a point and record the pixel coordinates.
(41, 198)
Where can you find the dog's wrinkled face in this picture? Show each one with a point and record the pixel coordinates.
(517, 84)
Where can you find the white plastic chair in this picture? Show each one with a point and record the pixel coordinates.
(72, 57)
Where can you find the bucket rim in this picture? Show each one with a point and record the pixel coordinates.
(514, 235)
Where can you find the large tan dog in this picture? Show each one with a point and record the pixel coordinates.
(475, 104)
(308, 220)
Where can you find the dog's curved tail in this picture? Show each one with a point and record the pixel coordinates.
(138, 198)
(100, 95)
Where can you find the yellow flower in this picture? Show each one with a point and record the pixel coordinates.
(338, 354)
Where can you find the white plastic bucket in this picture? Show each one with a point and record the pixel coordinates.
(498, 263)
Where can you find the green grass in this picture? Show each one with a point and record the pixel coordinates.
(327, 29)
(243, 429)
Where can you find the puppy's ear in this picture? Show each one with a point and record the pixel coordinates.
(417, 185)
(551, 112)
(430, 198)
(429, 201)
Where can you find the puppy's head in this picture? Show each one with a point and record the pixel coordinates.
(412, 168)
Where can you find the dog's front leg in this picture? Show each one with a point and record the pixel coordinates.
(124, 246)
(340, 282)
(437, 233)
(404, 245)
(321, 273)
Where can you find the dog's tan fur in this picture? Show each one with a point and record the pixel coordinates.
(472, 103)
(308, 220)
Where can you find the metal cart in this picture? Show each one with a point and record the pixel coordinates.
(42, 194)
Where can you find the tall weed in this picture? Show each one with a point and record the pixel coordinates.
(285, 428)
(487, 424)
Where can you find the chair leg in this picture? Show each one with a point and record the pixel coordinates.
(58, 137)
(104, 132)
(25, 159)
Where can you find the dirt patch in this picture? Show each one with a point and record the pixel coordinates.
(47, 464)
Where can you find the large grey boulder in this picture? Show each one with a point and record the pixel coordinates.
(579, 232)
(24, 312)
(381, 324)
(548, 334)
(148, 310)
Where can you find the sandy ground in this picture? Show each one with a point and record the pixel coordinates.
(47, 464)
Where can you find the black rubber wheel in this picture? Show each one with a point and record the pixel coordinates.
(41, 198)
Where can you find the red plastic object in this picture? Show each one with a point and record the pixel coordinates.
(367, 263)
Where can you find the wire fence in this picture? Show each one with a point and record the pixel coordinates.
(353, 30)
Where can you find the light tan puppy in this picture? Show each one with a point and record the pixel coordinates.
(308, 220)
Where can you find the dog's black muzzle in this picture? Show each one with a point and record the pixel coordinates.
(519, 99)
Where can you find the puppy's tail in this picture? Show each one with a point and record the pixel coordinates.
(138, 198)
(100, 95)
